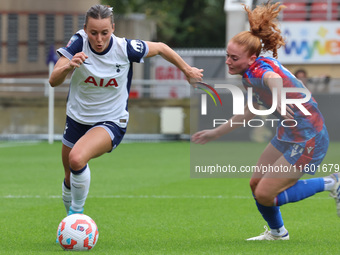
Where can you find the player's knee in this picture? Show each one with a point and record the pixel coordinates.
(264, 198)
(76, 161)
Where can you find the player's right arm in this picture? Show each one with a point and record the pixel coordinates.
(193, 74)
(64, 66)
(207, 135)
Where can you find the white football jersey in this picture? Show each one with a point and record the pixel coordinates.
(99, 88)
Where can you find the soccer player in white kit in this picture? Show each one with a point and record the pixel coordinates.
(97, 113)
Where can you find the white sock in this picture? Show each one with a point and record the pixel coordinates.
(329, 183)
(278, 231)
(66, 195)
(80, 185)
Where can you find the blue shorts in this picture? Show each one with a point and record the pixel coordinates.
(74, 131)
(306, 156)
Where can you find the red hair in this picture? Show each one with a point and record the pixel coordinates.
(264, 34)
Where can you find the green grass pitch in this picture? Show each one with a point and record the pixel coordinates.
(144, 202)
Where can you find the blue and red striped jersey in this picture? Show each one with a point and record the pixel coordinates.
(307, 125)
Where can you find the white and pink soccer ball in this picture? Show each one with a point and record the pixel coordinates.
(77, 232)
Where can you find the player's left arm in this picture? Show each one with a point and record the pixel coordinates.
(274, 80)
(193, 74)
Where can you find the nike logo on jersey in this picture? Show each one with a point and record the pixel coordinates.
(297, 149)
(86, 63)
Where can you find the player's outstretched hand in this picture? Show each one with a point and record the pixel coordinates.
(194, 75)
(204, 136)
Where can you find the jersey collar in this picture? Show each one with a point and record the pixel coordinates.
(105, 51)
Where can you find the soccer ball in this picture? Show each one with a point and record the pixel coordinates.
(77, 232)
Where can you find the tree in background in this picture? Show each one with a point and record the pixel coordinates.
(180, 23)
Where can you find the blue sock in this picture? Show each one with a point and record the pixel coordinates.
(301, 190)
(272, 215)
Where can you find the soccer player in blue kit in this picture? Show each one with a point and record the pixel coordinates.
(300, 147)
(97, 115)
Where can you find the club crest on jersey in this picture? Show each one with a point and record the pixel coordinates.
(72, 40)
(101, 83)
(118, 68)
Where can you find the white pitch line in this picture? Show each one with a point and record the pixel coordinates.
(130, 196)
(139, 197)
(17, 144)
